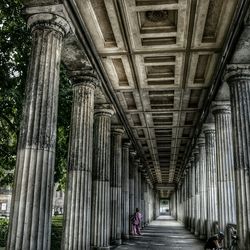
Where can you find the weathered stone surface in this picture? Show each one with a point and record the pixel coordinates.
(224, 164)
(203, 186)
(238, 78)
(100, 228)
(212, 202)
(125, 190)
(30, 221)
(116, 185)
(77, 212)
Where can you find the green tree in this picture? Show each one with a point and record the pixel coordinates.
(15, 44)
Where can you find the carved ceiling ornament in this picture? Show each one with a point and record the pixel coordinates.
(157, 15)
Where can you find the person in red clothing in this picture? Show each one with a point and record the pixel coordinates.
(136, 221)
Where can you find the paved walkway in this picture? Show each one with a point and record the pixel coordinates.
(163, 233)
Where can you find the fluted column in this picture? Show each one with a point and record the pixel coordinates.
(139, 187)
(116, 185)
(238, 78)
(131, 184)
(197, 191)
(189, 195)
(212, 211)
(203, 187)
(224, 164)
(100, 231)
(143, 198)
(192, 194)
(77, 204)
(125, 190)
(136, 179)
(30, 219)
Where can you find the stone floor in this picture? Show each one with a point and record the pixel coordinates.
(164, 233)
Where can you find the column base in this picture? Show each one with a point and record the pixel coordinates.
(117, 242)
(196, 234)
(125, 237)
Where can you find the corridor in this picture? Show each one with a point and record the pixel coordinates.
(163, 233)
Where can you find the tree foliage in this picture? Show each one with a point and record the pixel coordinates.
(15, 44)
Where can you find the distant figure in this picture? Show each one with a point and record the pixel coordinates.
(136, 221)
(215, 242)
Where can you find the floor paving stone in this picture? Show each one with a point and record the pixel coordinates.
(163, 233)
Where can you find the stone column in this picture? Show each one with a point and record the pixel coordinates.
(125, 190)
(212, 211)
(185, 198)
(30, 219)
(131, 184)
(189, 194)
(224, 164)
(197, 191)
(77, 203)
(139, 187)
(136, 179)
(192, 194)
(143, 199)
(238, 78)
(203, 187)
(100, 231)
(116, 185)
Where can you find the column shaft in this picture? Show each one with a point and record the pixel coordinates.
(77, 204)
(116, 185)
(203, 186)
(224, 164)
(30, 220)
(125, 191)
(212, 216)
(100, 231)
(197, 192)
(238, 78)
(136, 179)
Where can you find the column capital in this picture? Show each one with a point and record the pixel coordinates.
(195, 151)
(132, 153)
(126, 144)
(208, 128)
(221, 107)
(234, 72)
(48, 21)
(201, 141)
(86, 77)
(117, 130)
(104, 110)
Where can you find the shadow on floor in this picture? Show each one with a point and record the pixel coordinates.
(163, 233)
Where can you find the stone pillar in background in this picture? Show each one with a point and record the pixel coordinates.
(203, 188)
(185, 198)
(30, 218)
(212, 206)
(116, 185)
(77, 203)
(197, 191)
(192, 194)
(100, 231)
(125, 190)
(132, 183)
(224, 164)
(189, 194)
(238, 78)
(142, 199)
(139, 187)
(136, 178)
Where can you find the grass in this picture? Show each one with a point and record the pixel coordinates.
(56, 232)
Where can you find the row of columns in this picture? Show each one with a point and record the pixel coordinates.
(215, 188)
(105, 180)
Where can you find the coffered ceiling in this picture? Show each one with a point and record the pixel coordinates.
(160, 56)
